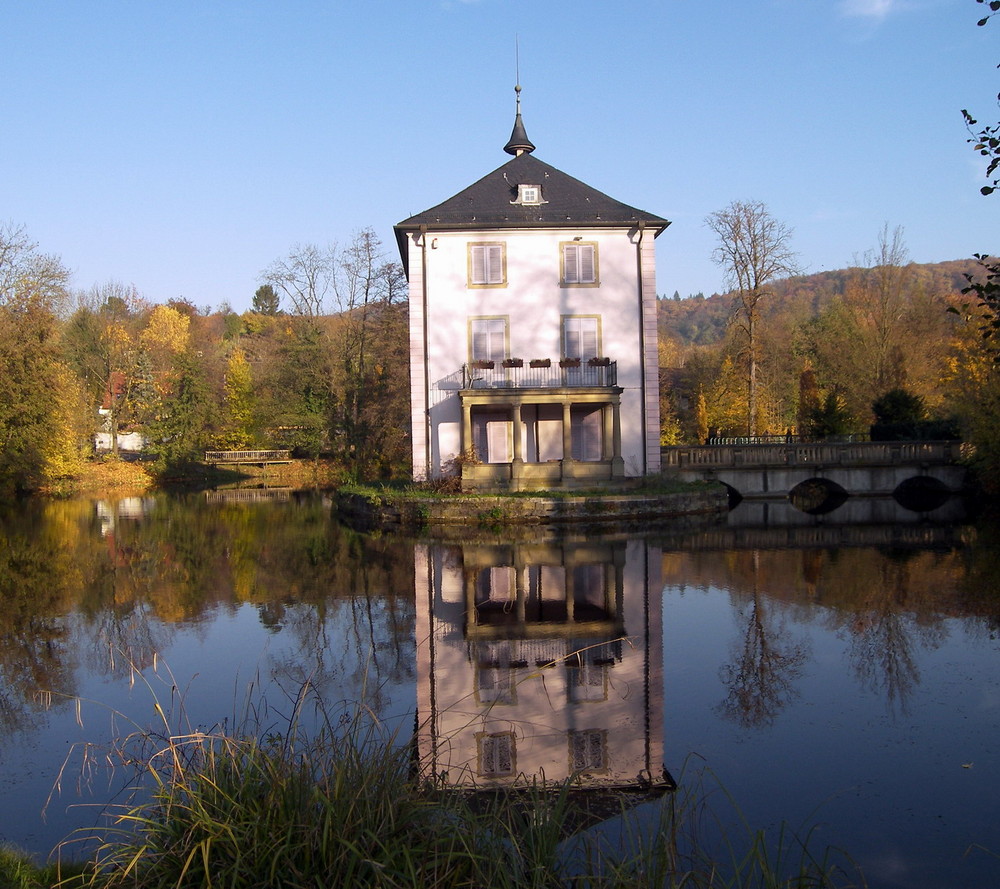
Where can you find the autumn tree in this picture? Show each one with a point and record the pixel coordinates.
(182, 427)
(164, 337)
(372, 342)
(879, 297)
(754, 250)
(239, 404)
(40, 418)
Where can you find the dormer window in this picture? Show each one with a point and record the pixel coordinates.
(529, 194)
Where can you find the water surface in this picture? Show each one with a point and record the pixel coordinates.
(834, 675)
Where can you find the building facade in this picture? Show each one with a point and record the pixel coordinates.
(533, 351)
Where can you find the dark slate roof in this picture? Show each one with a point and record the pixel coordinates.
(569, 203)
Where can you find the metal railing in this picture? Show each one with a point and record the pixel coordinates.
(540, 373)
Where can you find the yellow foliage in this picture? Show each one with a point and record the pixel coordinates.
(166, 334)
(62, 447)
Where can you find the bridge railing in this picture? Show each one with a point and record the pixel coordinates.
(857, 453)
(248, 456)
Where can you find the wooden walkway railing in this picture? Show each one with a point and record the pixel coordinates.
(248, 457)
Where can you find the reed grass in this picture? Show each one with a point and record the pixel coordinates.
(344, 808)
(18, 871)
(342, 805)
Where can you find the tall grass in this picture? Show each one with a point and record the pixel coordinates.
(344, 808)
(343, 805)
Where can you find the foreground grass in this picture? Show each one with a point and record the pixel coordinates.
(345, 808)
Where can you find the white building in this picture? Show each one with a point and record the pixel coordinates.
(533, 352)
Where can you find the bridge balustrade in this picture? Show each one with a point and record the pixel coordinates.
(814, 454)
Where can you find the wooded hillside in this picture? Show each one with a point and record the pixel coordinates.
(831, 344)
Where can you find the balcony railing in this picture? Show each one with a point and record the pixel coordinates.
(540, 373)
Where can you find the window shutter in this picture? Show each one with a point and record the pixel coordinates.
(572, 341)
(494, 264)
(479, 265)
(588, 338)
(570, 275)
(585, 252)
(480, 344)
(497, 344)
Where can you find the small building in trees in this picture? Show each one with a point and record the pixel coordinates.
(533, 349)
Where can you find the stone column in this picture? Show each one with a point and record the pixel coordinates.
(617, 461)
(467, 443)
(517, 464)
(567, 438)
(570, 592)
(607, 432)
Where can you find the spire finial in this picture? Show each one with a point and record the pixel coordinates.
(519, 143)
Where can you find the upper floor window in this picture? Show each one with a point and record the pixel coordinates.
(579, 264)
(488, 264)
(581, 336)
(488, 339)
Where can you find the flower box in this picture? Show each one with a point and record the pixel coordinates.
(540, 362)
(481, 364)
(599, 362)
(569, 362)
(513, 362)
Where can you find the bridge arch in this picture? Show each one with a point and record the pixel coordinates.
(921, 493)
(817, 496)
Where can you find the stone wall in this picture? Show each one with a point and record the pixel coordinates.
(387, 510)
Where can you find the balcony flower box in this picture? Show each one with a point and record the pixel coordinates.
(513, 362)
(540, 362)
(569, 362)
(481, 364)
(599, 362)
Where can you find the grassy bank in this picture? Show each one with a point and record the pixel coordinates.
(345, 808)
(120, 477)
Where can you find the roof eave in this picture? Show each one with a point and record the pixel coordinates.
(657, 225)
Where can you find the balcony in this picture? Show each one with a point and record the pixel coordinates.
(540, 373)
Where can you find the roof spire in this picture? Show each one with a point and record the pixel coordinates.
(519, 143)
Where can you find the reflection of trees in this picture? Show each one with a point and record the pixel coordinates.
(761, 678)
(885, 602)
(114, 587)
(37, 573)
(883, 633)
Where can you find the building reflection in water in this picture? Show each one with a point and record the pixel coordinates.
(540, 661)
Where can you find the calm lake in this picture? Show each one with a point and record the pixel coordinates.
(840, 673)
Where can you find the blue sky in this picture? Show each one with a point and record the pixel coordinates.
(183, 146)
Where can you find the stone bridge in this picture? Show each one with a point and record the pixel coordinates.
(872, 468)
